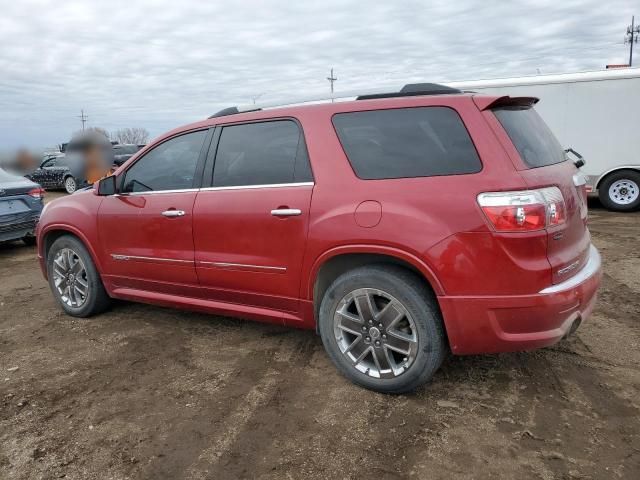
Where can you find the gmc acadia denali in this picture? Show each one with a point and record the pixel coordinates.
(399, 225)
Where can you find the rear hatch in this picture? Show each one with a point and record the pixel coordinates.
(542, 162)
(16, 204)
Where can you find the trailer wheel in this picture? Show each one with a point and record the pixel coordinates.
(620, 191)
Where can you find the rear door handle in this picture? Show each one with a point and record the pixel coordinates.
(173, 213)
(286, 212)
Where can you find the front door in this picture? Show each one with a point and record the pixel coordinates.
(250, 226)
(146, 230)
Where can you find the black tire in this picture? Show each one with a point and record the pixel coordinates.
(96, 299)
(29, 240)
(630, 180)
(418, 301)
(70, 184)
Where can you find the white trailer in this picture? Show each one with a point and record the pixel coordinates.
(595, 113)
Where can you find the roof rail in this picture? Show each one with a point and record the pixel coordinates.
(232, 111)
(412, 89)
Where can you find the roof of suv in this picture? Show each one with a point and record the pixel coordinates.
(411, 96)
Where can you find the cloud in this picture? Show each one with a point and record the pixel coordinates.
(158, 64)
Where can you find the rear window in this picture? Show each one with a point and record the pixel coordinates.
(533, 139)
(406, 142)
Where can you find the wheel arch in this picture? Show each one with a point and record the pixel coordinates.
(635, 168)
(337, 261)
(53, 232)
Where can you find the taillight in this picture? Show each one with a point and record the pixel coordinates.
(36, 192)
(523, 211)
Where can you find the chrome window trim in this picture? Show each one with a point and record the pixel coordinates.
(266, 185)
(116, 256)
(150, 192)
(206, 189)
(242, 265)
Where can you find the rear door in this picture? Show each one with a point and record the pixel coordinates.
(542, 162)
(250, 225)
(146, 230)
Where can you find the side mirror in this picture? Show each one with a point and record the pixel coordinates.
(107, 186)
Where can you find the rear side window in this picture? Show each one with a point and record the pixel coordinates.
(262, 153)
(533, 139)
(406, 142)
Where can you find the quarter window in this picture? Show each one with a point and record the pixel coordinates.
(169, 166)
(406, 142)
(261, 154)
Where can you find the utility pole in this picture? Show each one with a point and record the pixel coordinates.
(254, 98)
(633, 32)
(83, 118)
(331, 79)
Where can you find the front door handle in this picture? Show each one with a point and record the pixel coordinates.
(173, 213)
(286, 212)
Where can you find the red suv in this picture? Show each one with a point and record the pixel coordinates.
(399, 225)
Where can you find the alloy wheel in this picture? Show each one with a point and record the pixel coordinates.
(70, 185)
(376, 333)
(70, 278)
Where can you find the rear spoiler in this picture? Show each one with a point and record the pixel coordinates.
(484, 102)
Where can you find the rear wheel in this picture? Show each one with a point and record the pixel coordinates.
(73, 278)
(70, 184)
(381, 327)
(620, 191)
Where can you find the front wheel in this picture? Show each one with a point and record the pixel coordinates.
(73, 278)
(70, 184)
(620, 191)
(381, 326)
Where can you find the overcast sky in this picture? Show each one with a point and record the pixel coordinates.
(159, 64)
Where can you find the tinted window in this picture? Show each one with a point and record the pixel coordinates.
(261, 154)
(407, 142)
(169, 166)
(532, 138)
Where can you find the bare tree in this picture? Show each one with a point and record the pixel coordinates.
(135, 135)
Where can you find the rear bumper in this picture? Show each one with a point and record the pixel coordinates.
(18, 230)
(523, 322)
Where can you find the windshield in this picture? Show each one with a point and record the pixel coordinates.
(7, 177)
(533, 139)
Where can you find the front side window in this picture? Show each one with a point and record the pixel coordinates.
(406, 142)
(261, 154)
(169, 166)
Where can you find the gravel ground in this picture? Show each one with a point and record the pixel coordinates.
(153, 393)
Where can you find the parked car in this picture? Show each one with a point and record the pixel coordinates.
(122, 153)
(399, 225)
(54, 173)
(20, 207)
(582, 109)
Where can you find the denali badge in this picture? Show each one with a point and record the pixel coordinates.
(569, 268)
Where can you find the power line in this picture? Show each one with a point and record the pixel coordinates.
(633, 32)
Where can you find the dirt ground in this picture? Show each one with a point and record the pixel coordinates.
(152, 393)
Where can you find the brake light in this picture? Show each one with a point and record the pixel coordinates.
(523, 211)
(36, 192)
